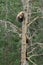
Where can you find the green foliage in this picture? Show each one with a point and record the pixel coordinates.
(10, 42)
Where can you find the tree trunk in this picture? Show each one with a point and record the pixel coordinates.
(24, 31)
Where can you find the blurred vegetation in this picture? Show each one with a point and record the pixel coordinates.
(10, 43)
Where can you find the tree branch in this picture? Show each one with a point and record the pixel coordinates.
(31, 61)
(33, 21)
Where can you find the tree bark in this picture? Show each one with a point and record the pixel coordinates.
(24, 31)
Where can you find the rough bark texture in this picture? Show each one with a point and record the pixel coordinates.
(24, 31)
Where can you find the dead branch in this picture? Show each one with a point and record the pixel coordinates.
(33, 35)
(32, 50)
(31, 61)
(33, 21)
(35, 55)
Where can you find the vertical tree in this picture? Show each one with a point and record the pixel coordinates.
(26, 8)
